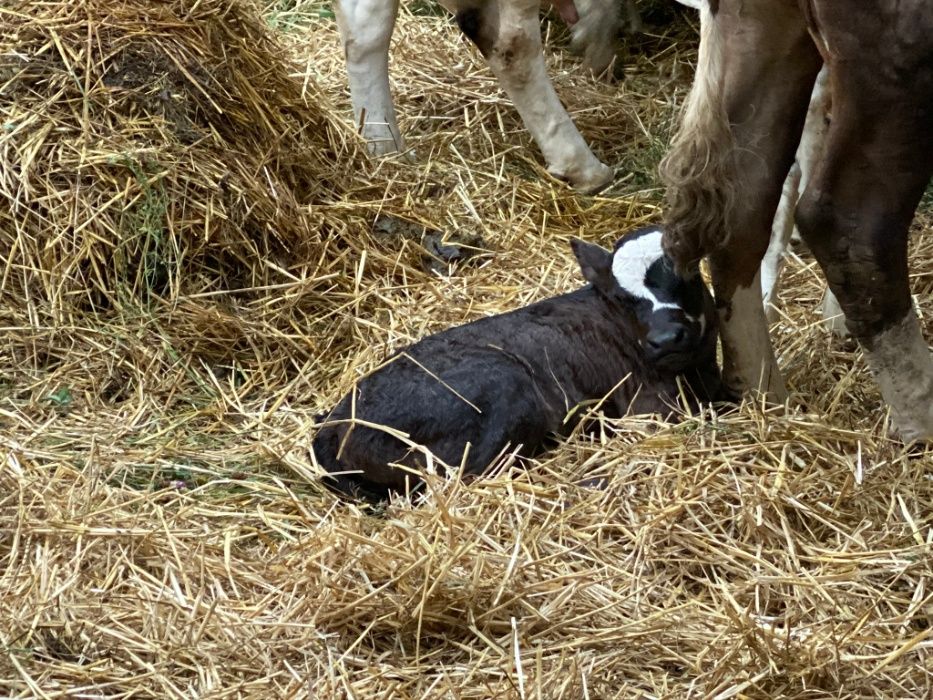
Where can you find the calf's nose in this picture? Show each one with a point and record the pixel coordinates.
(671, 338)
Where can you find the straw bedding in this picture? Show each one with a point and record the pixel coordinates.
(196, 258)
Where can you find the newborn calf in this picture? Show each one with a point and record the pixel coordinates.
(514, 380)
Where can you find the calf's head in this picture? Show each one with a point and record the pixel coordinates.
(674, 314)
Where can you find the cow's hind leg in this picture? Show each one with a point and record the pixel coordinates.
(366, 29)
(727, 164)
(508, 34)
(855, 216)
(594, 35)
(773, 263)
(784, 231)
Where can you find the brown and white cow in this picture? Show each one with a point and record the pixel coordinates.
(508, 34)
(757, 66)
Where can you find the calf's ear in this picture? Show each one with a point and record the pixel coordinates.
(595, 264)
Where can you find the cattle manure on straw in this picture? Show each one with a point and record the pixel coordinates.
(192, 266)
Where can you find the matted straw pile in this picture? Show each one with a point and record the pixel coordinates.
(191, 271)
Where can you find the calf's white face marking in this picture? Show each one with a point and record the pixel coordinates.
(630, 265)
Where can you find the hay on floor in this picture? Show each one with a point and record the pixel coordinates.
(195, 259)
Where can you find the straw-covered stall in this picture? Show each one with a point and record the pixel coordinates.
(196, 257)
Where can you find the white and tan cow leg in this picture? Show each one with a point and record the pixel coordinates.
(508, 33)
(902, 365)
(833, 316)
(773, 263)
(518, 61)
(594, 34)
(366, 30)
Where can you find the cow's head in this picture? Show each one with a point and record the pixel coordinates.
(675, 315)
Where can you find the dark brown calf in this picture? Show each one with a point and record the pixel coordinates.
(515, 380)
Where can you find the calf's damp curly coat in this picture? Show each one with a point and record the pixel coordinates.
(518, 379)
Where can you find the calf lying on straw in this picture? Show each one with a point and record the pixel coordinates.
(515, 380)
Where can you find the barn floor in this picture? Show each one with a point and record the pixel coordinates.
(163, 532)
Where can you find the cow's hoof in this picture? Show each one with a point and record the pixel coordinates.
(610, 70)
(379, 146)
(833, 316)
(381, 141)
(591, 180)
(912, 433)
(914, 427)
(797, 244)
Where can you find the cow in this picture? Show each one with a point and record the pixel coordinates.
(508, 34)
(634, 339)
(742, 123)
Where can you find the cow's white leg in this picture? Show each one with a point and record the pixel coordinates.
(833, 315)
(781, 230)
(508, 34)
(815, 127)
(811, 148)
(594, 34)
(366, 29)
(903, 367)
(813, 137)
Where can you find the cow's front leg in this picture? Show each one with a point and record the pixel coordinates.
(366, 29)
(726, 167)
(508, 34)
